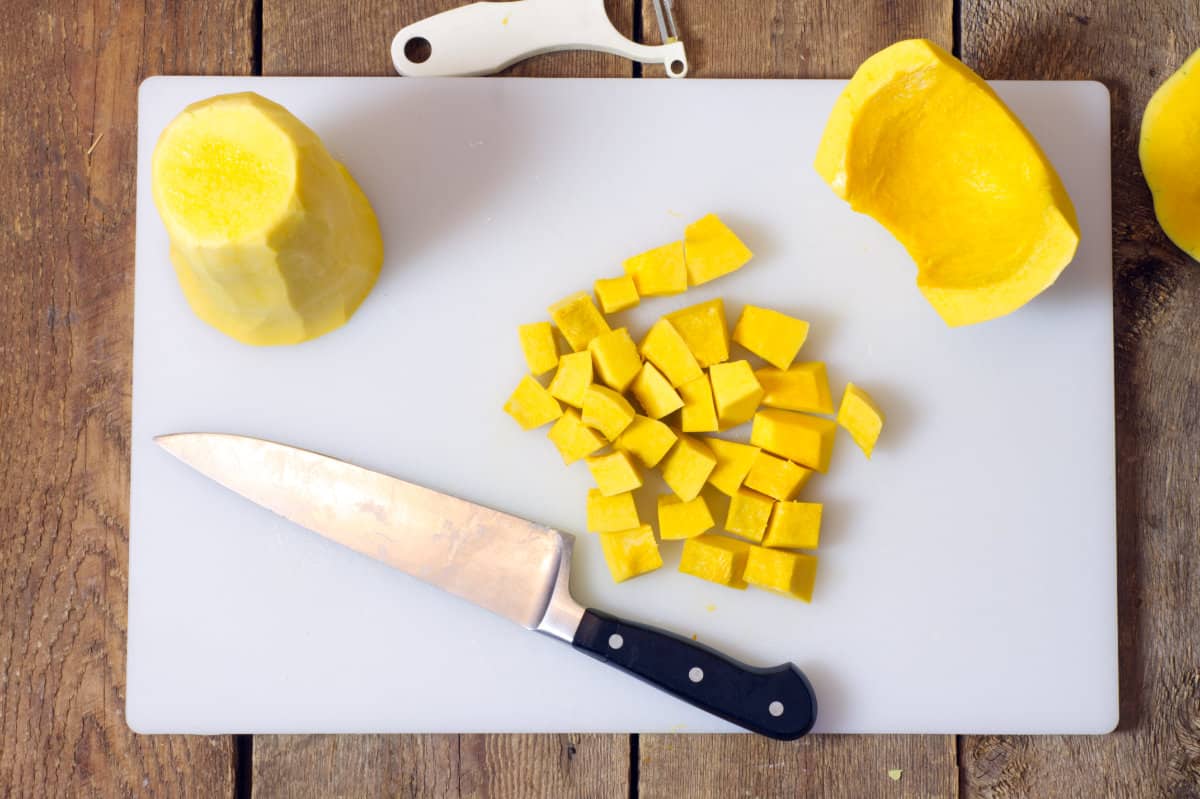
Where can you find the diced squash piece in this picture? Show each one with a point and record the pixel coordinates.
(800, 387)
(272, 241)
(733, 464)
(861, 417)
(615, 358)
(711, 250)
(654, 393)
(699, 413)
(659, 271)
(749, 513)
(736, 392)
(806, 440)
(578, 319)
(771, 335)
(629, 553)
(794, 525)
(611, 514)
(678, 519)
(531, 404)
(788, 573)
(616, 293)
(573, 438)
(573, 377)
(687, 467)
(777, 478)
(704, 329)
(649, 440)
(715, 558)
(606, 410)
(537, 342)
(666, 349)
(614, 473)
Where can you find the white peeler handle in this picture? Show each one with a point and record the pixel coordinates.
(483, 38)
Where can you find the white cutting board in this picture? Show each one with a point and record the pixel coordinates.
(967, 580)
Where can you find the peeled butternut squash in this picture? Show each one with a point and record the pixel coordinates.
(1170, 153)
(272, 240)
(922, 144)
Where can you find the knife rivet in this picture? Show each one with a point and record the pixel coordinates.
(615, 641)
(775, 708)
(696, 674)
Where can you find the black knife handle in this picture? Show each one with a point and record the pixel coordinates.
(777, 702)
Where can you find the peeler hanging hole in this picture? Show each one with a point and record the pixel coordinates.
(417, 50)
(676, 67)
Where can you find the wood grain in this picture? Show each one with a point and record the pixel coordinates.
(442, 766)
(817, 767)
(315, 37)
(68, 99)
(1132, 47)
(795, 38)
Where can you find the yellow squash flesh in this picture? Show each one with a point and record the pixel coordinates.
(1170, 155)
(922, 144)
(272, 240)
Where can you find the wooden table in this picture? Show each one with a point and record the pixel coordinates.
(69, 73)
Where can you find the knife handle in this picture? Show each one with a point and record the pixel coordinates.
(777, 702)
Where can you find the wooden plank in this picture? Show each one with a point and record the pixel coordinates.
(68, 144)
(311, 37)
(817, 767)
(314, 37)
(441, 766)
(796, 39)
(1132, 47)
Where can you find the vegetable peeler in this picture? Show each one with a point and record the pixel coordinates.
(484, 38)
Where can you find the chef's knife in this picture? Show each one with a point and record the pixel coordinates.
(510, 566)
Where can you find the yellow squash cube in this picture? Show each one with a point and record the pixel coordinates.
(531, 404)
(776, 477)
(573, 377)
(772, 336)
(658, 271)
(703, 328)
(736, 392)
(666, 349)
(616, 293)
(649, 440)
(749, 513)
(711, 250)
(654, 393)
(537, 342)
(573, 438)
(800, 387)
(615, 358)
(611, 514)
(699, 414)
(578, 319)
(794, 525)
(715, 558)
(806, 440)
(861, 417)
(678, 519)
(687, 467)
(614, 473)
(629, 553)
(733, 464)
(606, 410)
(788, 573)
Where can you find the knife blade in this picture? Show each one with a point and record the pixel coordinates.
(513, 567)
